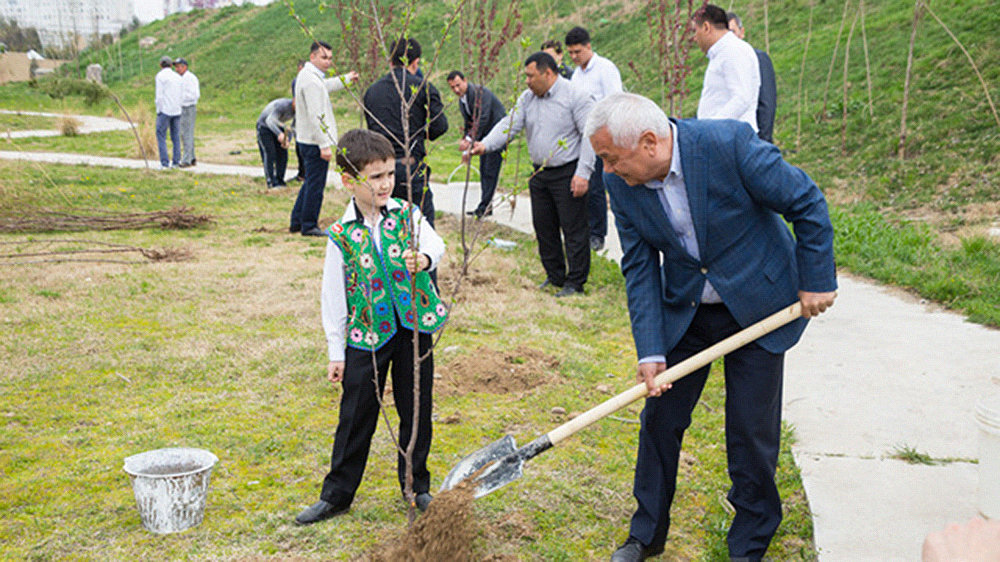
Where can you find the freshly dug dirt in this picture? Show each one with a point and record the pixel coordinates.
(444, 532)
(495, 372)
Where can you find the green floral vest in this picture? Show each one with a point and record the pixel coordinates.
(378, 284)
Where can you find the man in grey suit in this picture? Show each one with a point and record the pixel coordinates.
(701, 209)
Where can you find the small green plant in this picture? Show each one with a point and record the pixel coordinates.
(911, 455)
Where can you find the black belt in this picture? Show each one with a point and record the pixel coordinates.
(559, 167)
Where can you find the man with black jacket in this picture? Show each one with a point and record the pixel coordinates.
(425, 118)
(481, 110)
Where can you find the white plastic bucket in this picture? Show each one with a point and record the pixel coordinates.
(988, 418)
(170, 486)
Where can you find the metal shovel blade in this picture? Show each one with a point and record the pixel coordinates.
(493, 477)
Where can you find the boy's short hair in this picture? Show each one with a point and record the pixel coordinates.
(359, 147)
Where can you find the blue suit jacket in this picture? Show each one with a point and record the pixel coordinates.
(739, 188)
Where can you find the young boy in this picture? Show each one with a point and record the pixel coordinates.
(367, 303)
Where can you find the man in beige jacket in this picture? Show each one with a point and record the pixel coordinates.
(316, 133)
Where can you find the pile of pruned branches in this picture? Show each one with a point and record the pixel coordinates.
(75, 250)
(49, 221)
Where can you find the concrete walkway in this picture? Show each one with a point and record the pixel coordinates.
(880, 372)
(88, 124)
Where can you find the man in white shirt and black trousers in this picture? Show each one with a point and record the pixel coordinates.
(732, 79)
(599, 77)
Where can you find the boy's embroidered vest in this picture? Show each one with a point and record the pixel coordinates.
(378, 284)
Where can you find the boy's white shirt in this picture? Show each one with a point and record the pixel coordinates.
(333, 298)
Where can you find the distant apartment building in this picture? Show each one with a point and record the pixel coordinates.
(60, 21)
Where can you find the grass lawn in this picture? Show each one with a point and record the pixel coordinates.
(225, 352)
(22, 122)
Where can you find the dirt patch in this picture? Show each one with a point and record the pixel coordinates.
(444, 532)
(496, 372)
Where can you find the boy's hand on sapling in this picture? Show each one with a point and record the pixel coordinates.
(415, 261)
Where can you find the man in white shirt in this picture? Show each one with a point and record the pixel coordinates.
(732, 79)
(190, 92)
(316, 134)
(168, 112)
(599, 77)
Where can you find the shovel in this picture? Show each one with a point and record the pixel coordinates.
(501, 462)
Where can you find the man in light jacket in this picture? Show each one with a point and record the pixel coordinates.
(316, 131)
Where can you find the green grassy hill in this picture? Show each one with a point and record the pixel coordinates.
(920, 222)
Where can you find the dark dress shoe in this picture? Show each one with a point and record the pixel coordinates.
(314, 231)
(546, 284)
(295, 229)
(319, 511)
(423, 500)
(568, 291)
(634, 551)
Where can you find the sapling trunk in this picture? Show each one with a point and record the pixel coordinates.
(802, 73)
(833, 59)
(868, 66)
(975, 68)
(906, 82)
(843, 114)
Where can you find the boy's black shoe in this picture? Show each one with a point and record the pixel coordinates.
(319, 511)
(423, 500)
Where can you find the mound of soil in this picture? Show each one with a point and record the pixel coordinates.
(495, 372)
(444, 532)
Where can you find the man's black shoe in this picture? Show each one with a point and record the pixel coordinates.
(568, 291)
(546, 284)
(634, 551)
(319, 511)
(294, 229)
(314, 231)
(423, 500)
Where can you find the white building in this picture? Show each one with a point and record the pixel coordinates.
(58, 21)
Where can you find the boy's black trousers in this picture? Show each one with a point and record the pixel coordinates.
(359, 413)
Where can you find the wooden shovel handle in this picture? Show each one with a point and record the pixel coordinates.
(678, 371)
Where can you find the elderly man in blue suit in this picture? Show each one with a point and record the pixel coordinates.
(700, 208)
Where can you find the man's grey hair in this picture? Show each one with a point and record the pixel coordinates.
(627, 116)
